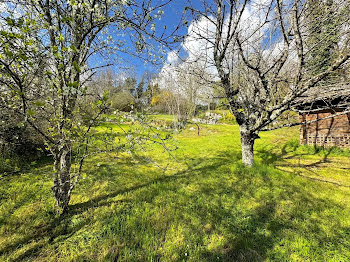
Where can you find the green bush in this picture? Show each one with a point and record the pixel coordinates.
(228, 118)
(122, 101)
(9, 165)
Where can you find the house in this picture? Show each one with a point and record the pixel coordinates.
(316, 107)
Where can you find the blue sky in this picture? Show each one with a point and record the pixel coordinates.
(171, 17)
(173, 13)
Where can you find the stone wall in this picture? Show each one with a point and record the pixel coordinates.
(209, 118)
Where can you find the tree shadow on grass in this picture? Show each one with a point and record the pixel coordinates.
(252, 236)
(278, 156)
(59, 227)
(288, 159)
(248, 212)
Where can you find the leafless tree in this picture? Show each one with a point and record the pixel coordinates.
(259, 51)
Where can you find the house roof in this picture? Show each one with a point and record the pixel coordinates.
(323, 97)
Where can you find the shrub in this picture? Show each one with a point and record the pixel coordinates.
(122, 101)
(9, 165)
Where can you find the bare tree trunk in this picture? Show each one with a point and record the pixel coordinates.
(62, 184)
(247, 145)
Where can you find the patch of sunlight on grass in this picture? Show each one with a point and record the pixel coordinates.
(292, 205)
(162, 117)
(216, 243)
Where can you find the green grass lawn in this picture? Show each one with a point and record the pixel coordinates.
(293, 205)
(169, 118)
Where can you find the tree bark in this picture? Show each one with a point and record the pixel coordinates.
(62, 184)
(247, 145)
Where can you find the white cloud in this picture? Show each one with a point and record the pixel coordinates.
(173, 57)
(198, 43)
(198, 51)
(199, 39)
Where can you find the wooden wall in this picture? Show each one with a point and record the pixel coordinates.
(328, 132)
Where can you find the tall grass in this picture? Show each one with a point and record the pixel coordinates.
(206, 206)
